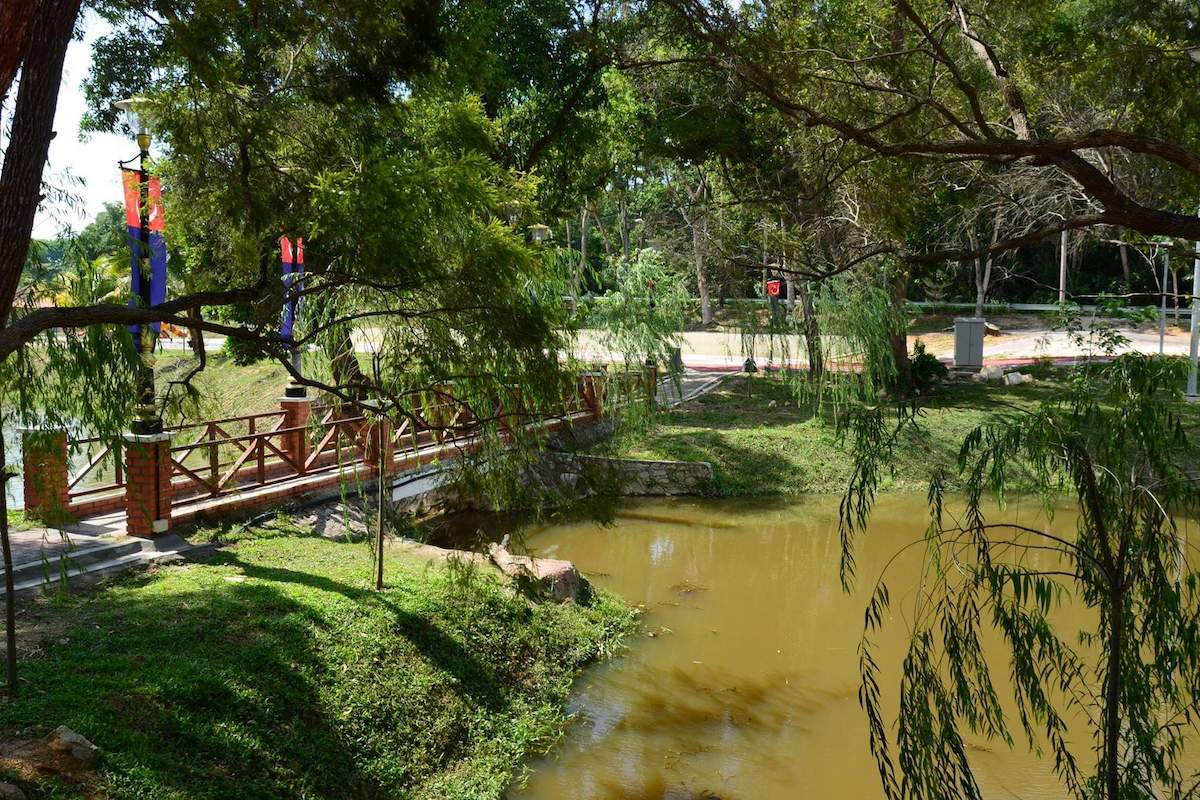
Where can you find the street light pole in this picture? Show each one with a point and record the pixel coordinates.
(146, 419)
(1195, 344)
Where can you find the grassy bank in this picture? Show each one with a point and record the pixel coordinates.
(766, 443)
(271, 670)
(225, 388)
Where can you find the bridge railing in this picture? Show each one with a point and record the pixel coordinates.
(215, 458)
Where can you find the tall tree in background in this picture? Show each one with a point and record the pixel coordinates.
(1053, 87)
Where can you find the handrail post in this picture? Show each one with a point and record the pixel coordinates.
(47, 486)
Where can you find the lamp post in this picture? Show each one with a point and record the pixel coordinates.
(538, 232)
(146, 420)
(1194, 347)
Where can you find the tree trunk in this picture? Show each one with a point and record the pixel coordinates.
(29, 139)
(766, 271)
(1125, 266)
(1175, 293)
(1112, 694)
(573, 298)
(812, 333)
(347, 373)
(10, 594)
(624, 222)
(698, 244)
(16, 20)
(577, 273)
(898, 337)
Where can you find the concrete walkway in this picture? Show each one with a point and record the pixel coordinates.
(690, 385)
(725, 351)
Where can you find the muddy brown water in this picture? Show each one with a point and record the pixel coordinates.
(747, 689)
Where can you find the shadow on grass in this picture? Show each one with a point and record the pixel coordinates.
(259, 686)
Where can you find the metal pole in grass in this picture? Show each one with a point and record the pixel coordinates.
(379, 522)
(10, 594)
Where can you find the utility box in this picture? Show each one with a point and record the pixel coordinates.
(968, 343)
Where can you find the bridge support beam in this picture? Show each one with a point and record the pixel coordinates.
(44, 463)
(147, 484)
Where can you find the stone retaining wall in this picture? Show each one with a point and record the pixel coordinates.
(627, 476)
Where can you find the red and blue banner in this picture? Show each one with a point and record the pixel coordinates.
(156, 291)
(293, 282)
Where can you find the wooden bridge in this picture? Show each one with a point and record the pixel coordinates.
(147, 485)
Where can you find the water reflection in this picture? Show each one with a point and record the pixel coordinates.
(744, 681)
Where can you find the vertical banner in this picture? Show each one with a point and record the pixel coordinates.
(156, 290)
(293, 282)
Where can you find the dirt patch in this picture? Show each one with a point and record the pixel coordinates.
(63, 757)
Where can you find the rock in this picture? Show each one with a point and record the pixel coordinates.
(1017, 378)
(67, 742)
(991, 330)
(10, 791)
(991, 373)
(550, 577)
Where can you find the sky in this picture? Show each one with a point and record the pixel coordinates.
(86, 168)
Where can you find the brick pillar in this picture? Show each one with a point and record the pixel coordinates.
(45, 471)
(296, 413)
(147, 484)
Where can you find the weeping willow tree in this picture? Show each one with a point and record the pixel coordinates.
(58, 381)
(1117, 447)
(855, 320)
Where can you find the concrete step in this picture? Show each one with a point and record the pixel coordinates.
(75, 561)
(89, 563)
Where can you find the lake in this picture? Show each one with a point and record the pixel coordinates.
(743, 682)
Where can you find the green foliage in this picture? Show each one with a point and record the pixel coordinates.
(628, 322)
(1115, 446)
(273, 670)
(926, 369)
(858, 357)
(765, 442)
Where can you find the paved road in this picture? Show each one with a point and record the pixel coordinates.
(727, 350)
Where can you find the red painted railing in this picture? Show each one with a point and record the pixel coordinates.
(219, 457)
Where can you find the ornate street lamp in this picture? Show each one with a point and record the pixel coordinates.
(538, 233)
(146, 419)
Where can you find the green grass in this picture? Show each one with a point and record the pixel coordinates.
(225, 388)
(17, 521)
(768, 444)
(271, 670)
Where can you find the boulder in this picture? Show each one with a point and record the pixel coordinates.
(72, 745)
(1017, 378)
(547, 577)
